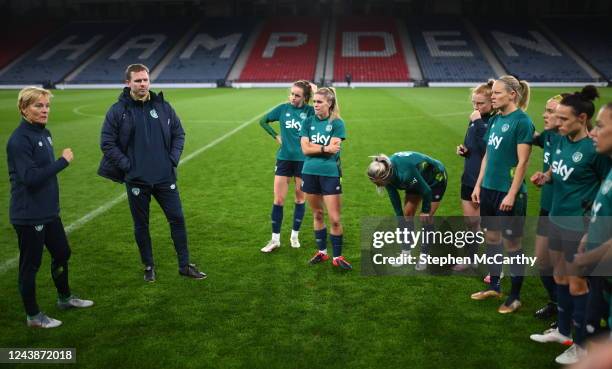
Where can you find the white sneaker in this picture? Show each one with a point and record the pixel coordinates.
(571, 356)
(551, 335)
(271, 246)
(295, 242)
(420, 267)
(73, 302)
(405, 254)
(40, 320)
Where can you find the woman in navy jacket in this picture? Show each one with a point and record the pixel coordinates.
(34, 208)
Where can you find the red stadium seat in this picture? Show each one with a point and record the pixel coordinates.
(370, 50)
(13, 45)
(285, 51)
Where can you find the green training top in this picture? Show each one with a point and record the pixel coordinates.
(321, 132)
(291, 120)
(414, 172)
(505, 132)
(577, 172)
(600, 227)
(547, 140)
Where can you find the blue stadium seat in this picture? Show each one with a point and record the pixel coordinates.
(446, 51)
(49, 62)
(524, 50)
(592, 42)
(210, 53)
(151, 40)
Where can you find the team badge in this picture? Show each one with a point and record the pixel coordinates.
(505, 127)
(50, 142)
(40, 143)
(328, 128)
(153, 113)
(577, 156)
(302, 115)
(136, 191)
(39, 228)
(172, 186)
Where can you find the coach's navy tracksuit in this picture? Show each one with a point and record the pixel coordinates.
(142, 142)
(34, 209)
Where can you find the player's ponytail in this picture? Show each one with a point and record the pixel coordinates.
(332, 99)
(520, 87)
(380, 171)
(581, 102)
(307, 89)
(523, 101)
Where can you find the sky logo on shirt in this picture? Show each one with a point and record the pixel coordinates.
(293, 124)
(495, 140)
(561, 169)
(319, 139)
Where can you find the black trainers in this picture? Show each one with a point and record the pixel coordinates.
(547, 311)
(191, 271)
(149, 274)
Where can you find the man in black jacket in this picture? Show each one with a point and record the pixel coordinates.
(142, 141)
(34, 209)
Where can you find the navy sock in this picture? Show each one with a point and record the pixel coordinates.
(471, 249)
(565, 310)
(298, 215)
(548, 281)
(336, 242)
(579, 318)
(406, 224)
(277, 218)
(425, 246)
(321, 239)
(517, 271)
(495, 268)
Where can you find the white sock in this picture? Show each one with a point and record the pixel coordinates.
(294, 234)
(276, 237)
(323, 251)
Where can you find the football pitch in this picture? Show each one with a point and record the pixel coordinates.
(261, 310)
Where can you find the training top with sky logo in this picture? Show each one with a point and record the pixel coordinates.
(414, 172)
(320, 132)
(577, 172)
(503, 135)
(547, 140)
(600, 229)
(291, 120)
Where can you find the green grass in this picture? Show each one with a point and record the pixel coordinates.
(256, 310)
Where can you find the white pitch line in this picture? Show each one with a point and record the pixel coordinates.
(10, 263)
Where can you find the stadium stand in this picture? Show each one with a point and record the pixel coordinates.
(210, 53)
(369, 49)
(446, 51)
(146, 43)
(286, 50)
(52, 59)
(525, 51)
(13, 47)
(592, 42)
